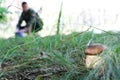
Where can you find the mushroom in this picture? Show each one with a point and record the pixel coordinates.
(92, 51)
(95, 49)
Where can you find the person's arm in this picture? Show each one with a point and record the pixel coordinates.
(32, 19)
(20, 20)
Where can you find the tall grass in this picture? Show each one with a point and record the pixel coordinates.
(51, 58)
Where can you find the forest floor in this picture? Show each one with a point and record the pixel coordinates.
(58, 57)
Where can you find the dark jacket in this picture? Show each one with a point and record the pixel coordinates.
(31, 18)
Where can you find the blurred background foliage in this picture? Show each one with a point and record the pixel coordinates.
(3, 12)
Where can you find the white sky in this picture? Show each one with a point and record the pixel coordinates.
(74, 4)
(70, 6)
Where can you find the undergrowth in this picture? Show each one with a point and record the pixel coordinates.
(51, 58)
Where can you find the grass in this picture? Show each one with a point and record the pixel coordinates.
(50, 58)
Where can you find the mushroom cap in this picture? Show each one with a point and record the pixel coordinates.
(95, 49)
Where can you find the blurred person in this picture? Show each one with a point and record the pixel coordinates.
(33, 22)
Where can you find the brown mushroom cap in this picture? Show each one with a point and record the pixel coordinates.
(94, 49)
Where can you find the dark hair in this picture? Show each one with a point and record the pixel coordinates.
(24, 3)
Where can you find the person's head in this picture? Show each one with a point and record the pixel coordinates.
(25, 6)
